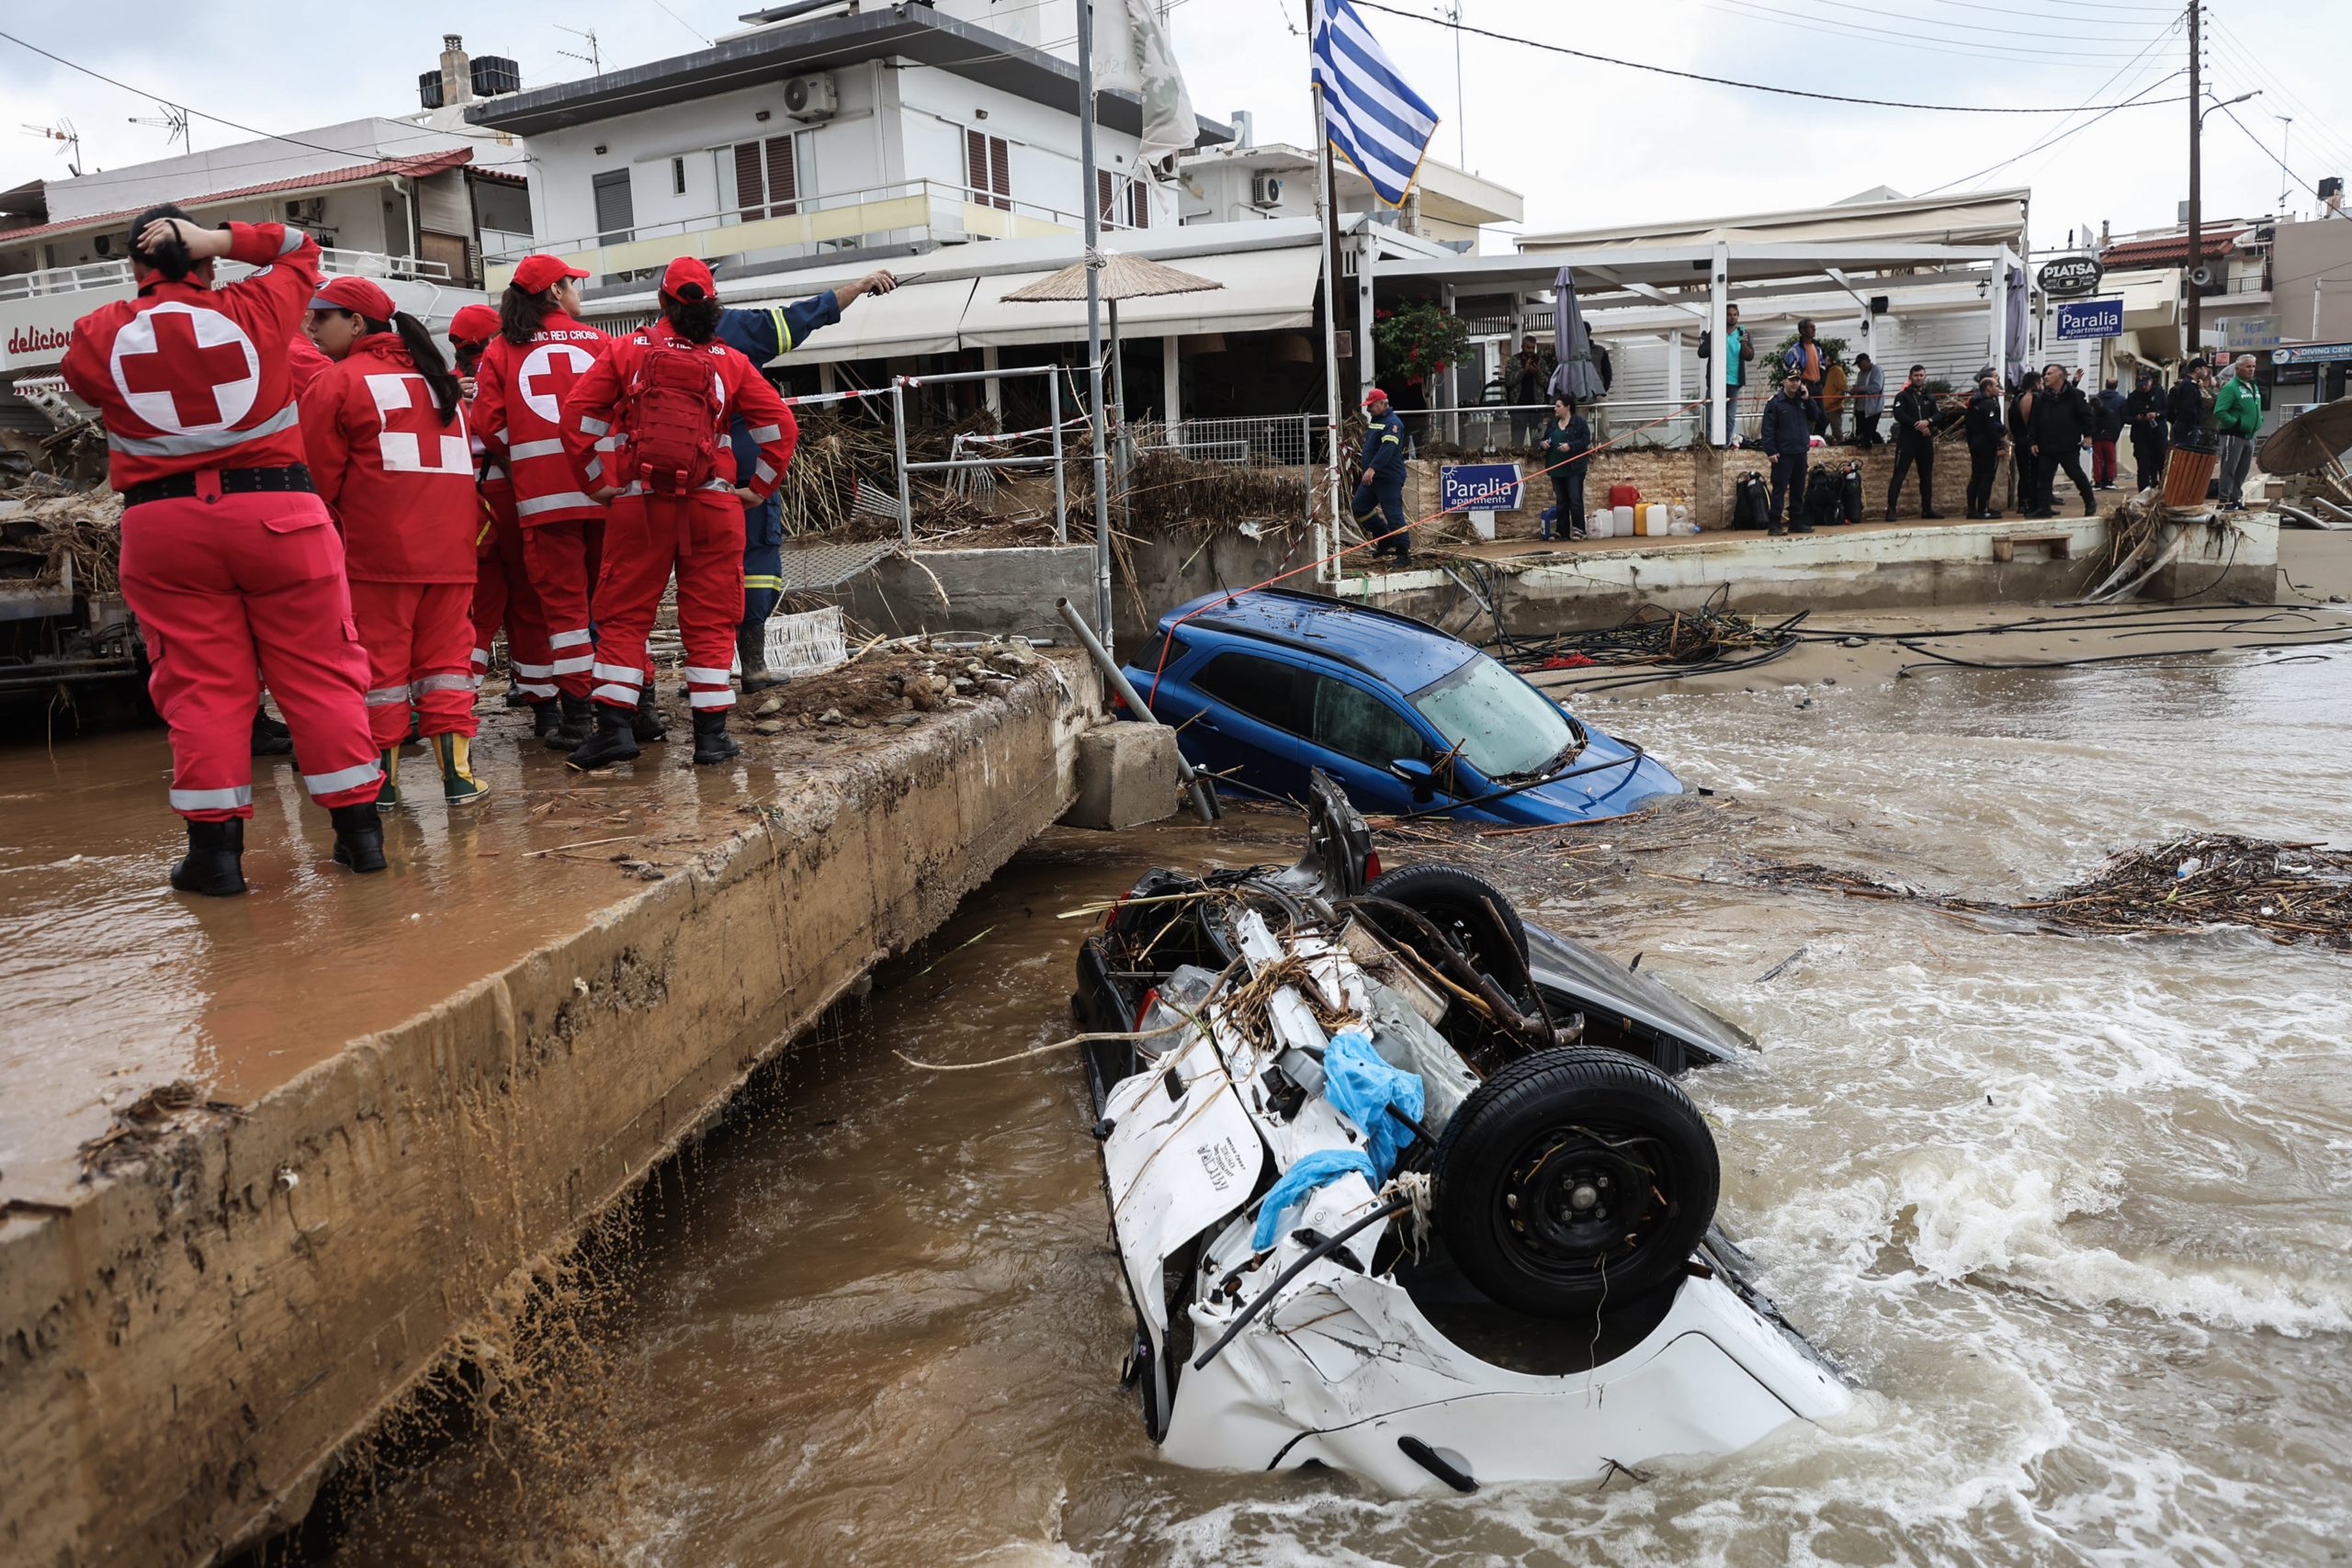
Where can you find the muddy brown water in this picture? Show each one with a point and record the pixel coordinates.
(2076, 1214)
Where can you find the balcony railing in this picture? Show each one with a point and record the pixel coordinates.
(846, 220)
(117, 274)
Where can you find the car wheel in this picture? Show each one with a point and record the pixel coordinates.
(1572, 1177)
(1457, 900)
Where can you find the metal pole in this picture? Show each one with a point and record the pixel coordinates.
(1326, 534)
(1204, 801)
(1054, 414)
(2196, 312)
(1094, 314)
(898, 441)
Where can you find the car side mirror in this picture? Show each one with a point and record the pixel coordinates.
(1413, 772)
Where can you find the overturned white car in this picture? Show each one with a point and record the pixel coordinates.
(1402, 1187)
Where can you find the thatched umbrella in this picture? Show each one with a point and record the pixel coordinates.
(1125, 276)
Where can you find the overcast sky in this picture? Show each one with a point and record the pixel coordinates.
(1588, 144)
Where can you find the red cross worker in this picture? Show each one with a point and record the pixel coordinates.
(520, 383)
(503, 597)
(386, 431)
(229, 560)
(650, 419)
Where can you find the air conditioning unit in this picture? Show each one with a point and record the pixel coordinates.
(307, 209)
(1265, 191)
(812, 97)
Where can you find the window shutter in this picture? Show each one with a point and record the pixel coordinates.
(975, 163)
(1138, 204)
(750, 194)
(1001, 171)
(782, 187)
(1105, 208)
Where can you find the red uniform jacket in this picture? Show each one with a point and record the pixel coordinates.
(188, 377)
(596, 418)
(398, 479)
(518, 408)
(306, 360)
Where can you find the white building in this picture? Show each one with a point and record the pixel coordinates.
(825, 133)
(1244, 183)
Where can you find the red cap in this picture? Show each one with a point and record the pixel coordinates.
(473, 323)
(353, 294)
(538, 273)
(688, 272)
(1374, 396)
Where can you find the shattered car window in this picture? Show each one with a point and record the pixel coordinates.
(1504, 726)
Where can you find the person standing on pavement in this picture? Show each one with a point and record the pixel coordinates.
(1987, 431)
(2025, 469)
(2189, 412)
(1868, 391)
(647, 426)
(1833, 399)
(2107, 428)
(1740, 354)
(229, 560)
(1562, 452)
(761, 335)
(1915, 444)
(2143, 414)
(2062, 428)
(1786, 435)
(541, 351)
(1380, 491)
(386, 434)
(503, 592)
(1804, 357)
(2237, 414)
(1524, 383)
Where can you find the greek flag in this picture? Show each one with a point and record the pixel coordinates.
(1374, 118)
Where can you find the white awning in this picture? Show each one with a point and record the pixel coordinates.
(1264, 291)
(914, 317)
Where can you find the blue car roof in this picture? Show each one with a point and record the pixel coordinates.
(1398, 650)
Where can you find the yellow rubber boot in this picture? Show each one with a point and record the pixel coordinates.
(389, 795)
(459, 785)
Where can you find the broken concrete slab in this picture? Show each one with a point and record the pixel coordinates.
(1126, 776)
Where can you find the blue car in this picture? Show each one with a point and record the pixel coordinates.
(1265, 687)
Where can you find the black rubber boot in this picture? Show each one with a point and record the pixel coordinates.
(645, 719)
(712, 744)
(358, 836)
(752, 649)
(579, 719)
(271, 738)
(613, 742)
(214, 862)
(516, 699)
(547, 718)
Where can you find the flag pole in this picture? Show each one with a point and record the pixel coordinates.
(1327, 207)
(1094, 318)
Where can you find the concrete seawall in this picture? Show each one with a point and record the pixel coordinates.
(188, 1342)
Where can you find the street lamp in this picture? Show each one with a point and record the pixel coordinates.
(2286, 176)
(2196, 312)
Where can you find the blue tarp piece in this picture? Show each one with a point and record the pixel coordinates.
(1362, 1086)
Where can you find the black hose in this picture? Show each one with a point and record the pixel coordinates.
(1323, 1248)
(1954, 658)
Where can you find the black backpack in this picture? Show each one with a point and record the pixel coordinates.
(1751, 503)
(1824, 496)
(1849, 493)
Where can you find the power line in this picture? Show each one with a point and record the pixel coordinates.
(2242, 59)
(1885, 14)
(682, 22)
(2052, 141)
(2267, 153)
(1732, 81)
(2039, 59)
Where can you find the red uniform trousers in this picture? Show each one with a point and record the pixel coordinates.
(232, 590)
(418, 636)
(2102, 462)
(701, 534)
(503, 596)
(561, 560)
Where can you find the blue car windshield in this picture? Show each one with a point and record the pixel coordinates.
(1503, 726)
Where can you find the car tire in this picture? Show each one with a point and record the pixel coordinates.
(1573, 1178)
(1455, 898)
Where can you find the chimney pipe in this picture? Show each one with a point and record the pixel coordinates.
(457, 72)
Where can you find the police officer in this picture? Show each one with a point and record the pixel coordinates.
(1915, 442)
(760, 335)
(1987, 428)
(1381, 491)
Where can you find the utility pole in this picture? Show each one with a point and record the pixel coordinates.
(1100, 426)
(2196, 312)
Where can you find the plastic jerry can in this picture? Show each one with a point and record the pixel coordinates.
(1655, 519)
(1621, 526)
(1625, 495)
(1602, 525)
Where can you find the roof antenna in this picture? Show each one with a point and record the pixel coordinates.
(594, 59)
(173, 122)
(63, 132)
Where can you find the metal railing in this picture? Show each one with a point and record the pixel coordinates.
(1277, 441)
(117, 274)
(732, 218)
(1501, 427)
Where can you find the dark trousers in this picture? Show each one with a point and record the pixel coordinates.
(1911, 448)
(2148, 460)
(2025, 477)
(1984, 463)
(1787, 479)
(1567, 496)
(2068, 461)
(1814, 413)
(1866, 430)
(1380, 509)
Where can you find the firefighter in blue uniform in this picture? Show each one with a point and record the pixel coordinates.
(1381, 488)
(762, 334)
